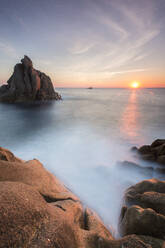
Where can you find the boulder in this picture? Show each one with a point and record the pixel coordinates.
(26, 220)
(158, 142)
(144, 213)
(154, 152)
(150, 185)
(28, 84)
(159, 150)
(144, 149)
(37, 210)
(33, 173)
(140, 221)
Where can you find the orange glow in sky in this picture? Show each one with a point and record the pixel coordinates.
(135, 85)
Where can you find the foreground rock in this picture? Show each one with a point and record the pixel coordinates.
(144, 213)
(27, 84)
(154, 152)
(37, 210)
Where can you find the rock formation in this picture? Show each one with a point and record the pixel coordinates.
(27, 84)
(154, 152)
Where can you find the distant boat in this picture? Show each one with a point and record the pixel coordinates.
(90, 88)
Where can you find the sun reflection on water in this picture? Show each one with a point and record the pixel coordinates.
(130, 124)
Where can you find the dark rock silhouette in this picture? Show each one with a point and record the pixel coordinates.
(154, 152)
(28, 84)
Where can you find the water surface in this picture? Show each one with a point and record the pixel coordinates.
(81, 138)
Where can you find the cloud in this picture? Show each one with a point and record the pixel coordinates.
(122, 37)
(129, 71)
(81, 47)
(8, 49)
(141, 56)
(115, 26)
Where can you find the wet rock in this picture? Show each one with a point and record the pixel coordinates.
(134, 149)
(160, 150)
(158, 142)
(154, 152)
(149, 157)
(161, 159)
(144, 149)
(28, 84)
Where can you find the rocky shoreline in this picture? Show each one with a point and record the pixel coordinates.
(37, 210)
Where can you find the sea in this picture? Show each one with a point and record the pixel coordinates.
(82, 138)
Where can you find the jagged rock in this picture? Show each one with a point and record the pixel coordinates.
(28, 84)
(145, 149)
(157, 142)
(154, 152)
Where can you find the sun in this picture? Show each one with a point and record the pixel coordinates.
(135, 85)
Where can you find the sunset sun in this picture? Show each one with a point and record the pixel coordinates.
(135, 85)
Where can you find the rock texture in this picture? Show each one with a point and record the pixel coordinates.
(154, 152)
(27, 84)
(144, 212)
(37, 210)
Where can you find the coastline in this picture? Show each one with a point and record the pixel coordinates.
(37, 210)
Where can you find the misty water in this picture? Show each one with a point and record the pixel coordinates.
(81, 138)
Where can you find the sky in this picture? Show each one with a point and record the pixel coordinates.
(82, 43)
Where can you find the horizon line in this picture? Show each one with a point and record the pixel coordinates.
(163, 87)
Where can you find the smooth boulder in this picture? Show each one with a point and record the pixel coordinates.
(37, 210)
(144, 212)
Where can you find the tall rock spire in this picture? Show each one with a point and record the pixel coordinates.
(28, 84)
